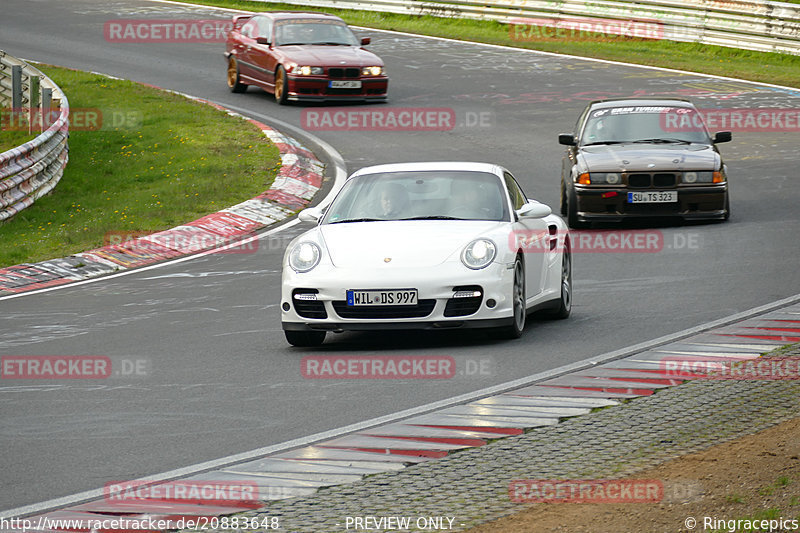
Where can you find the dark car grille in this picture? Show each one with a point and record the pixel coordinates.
(338, 72)
(464, 306)
(639, 180)
(644, 181)
(308, 308)
(664, 180)
(423, 308)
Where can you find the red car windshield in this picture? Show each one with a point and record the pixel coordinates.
(310, 31)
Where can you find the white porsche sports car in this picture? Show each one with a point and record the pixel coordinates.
(426, 246)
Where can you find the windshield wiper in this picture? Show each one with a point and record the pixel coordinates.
(356, 220)
(334, 44)
(664, 141)
(434, 217)
(604, 142)
(290, 44)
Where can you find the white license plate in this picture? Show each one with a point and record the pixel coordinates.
(358, 298)
(344, 84)
(652, 197)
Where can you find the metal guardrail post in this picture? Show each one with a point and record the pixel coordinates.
(16, 87)
(47, 103)
(34, 98)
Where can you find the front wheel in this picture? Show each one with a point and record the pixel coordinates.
(304, 339)
(234, 83)
(572, 211)
(281, 91)
(565, 303)
(520, 312)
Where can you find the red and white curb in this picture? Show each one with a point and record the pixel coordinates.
(296, 183)
(426, 437)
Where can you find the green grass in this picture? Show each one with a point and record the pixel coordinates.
(158, 160)
(782, 69)
(11, 138)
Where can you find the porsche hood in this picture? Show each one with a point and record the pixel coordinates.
(413, 243)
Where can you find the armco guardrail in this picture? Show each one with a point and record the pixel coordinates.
(30, 99)
(750, 24)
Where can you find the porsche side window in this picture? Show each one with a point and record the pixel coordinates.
(515, 193)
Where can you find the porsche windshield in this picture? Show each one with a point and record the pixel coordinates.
(426, 195)
(320, 32)
(645, 124)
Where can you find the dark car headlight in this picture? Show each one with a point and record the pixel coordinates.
(610, 178)
(703, 176)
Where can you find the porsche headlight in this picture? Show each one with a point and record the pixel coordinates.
(305, 70)
(479, 254)
(371, 71)
(304, 256)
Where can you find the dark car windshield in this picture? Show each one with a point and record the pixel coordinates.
(420, 195)
(644, 124)
(311, 31)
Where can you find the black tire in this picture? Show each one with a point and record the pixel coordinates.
(572, 212)
(520, 312)
(563, 200)
(281, 94)
(234, 83)
(304, 339)
(727, 214)
(565, 302)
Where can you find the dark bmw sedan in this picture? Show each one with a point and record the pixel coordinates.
(642, 158)
(302, 57)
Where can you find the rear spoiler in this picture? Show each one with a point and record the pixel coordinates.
(239, 20)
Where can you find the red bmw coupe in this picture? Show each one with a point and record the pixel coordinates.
(296, 56)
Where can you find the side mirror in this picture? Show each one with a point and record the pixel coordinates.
(262, 40)
(312, 214)
(365, 41)
(566, 139)
(722, 137)
(534, 210)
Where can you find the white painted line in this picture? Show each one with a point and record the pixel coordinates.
(710, 354)
(755, 347)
